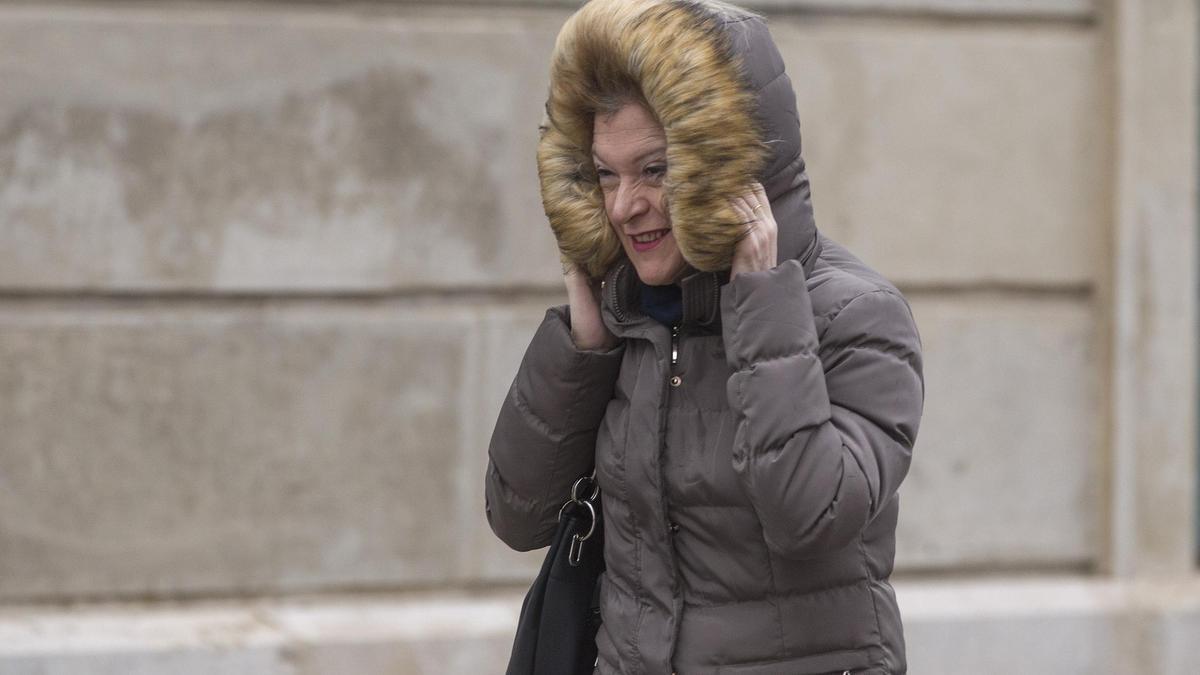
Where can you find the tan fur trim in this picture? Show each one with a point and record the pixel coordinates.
(680, 56)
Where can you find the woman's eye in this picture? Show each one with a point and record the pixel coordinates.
(657, 171)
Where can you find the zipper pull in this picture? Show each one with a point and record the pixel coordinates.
(674, 344)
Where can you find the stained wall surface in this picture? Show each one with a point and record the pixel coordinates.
(267, 270)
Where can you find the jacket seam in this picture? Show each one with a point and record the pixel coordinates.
(775, 357)
(774, 591)
(768, 448)
(510, 495)
(698, 408)
(619, 588)
(866, 565)
(557, 460)
(871, 500)
(866, 580)
(900, 353)
(776, 76)
(833, 314)
(785, 659)
(792, 161)
(523, 406)
(623, 485)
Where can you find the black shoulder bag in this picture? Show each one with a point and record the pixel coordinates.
(556, 634)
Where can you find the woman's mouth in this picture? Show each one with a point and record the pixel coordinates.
(648, 240)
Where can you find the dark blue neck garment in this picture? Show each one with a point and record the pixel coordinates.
(664, 303)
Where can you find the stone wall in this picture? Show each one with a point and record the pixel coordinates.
(267, 270)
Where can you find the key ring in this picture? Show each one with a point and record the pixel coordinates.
(577, 488)
(576, 552)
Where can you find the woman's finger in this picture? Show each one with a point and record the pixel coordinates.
(742, 208)
(754, 199)
(746, 231)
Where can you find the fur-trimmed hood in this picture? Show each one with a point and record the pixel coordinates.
(714, 78)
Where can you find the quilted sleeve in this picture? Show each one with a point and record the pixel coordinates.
(545, 434)
(825, 425)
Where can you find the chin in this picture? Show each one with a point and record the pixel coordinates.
(663, 267)
(656, 276)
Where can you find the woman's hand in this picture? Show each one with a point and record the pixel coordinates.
(757, 248)
(587, 329)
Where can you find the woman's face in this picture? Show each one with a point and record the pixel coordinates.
(629, 149)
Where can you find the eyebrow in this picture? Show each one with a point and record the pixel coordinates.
(637, 159)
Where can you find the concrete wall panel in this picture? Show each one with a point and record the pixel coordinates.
(1050, 624)
(1042, 9)
(972, 154)
(504, 333)
(1007, 467)
(227, 450)
(209, 450)
(1006, 625)
(226, 150)
(249, 149)
(1046, 9)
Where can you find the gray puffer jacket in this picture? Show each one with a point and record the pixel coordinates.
(749, 457)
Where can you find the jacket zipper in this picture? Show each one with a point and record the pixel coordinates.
(612, 293)
(674, 346)
(671, 383)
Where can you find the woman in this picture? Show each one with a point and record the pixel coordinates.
(748, 390)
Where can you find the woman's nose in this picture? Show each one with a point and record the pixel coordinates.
(628, 203)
